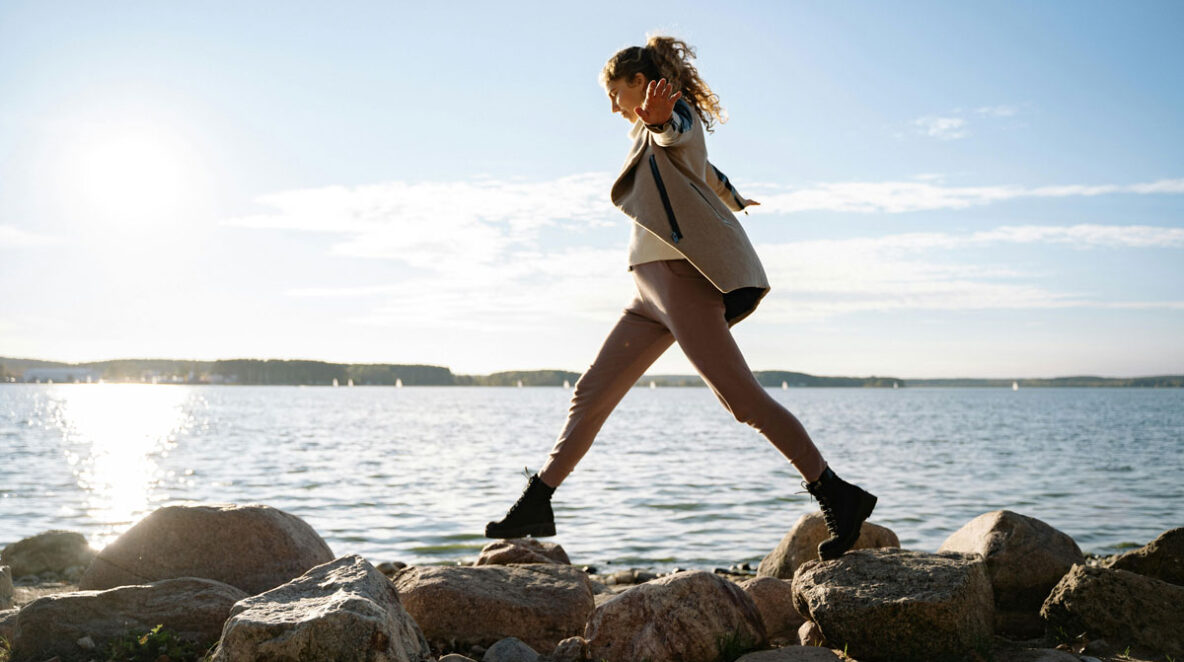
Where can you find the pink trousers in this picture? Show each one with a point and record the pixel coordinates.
(675, 302)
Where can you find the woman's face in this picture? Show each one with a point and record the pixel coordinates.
(626, 95)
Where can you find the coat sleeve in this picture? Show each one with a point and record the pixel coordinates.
(678, 129)
(723, 188)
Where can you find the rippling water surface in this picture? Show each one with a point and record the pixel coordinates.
(413, 474)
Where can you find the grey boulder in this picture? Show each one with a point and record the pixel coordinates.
(1117, 605)
(342, 610)
(253, 547)
(462, 606)
(510, 649)
(692, 616)
(6, 587)
(774, 600)
(522, 550)
(49, 552)
(193, 608)
(891, 604)
(801, 545)
(1162, 558)
(1025, 558)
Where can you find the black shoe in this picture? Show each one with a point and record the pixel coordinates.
(844, 507)
(529, 516)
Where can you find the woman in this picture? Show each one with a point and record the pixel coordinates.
(696, 274)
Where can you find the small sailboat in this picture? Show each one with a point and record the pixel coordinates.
(1015, 386)
(895, 384)
(566, 384)
(653, 384)
(398, 382)
(334, 382)
(784, 385)
(519, 383)
(350, 382)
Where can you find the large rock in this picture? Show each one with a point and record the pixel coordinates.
(6, 587)
(891, 604)
(801, 545)
(774, 600)
(255, 548)
(458, 606)
(692, 616)
(52, 551)
(1025, 558)
(1117, 605)
(344, 610)
(1162, 558)
(522, 550)
(792, 654)
(191, 607)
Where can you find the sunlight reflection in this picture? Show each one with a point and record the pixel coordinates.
(114, 434)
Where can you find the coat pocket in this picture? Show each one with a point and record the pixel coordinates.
(675, 233)
(706, 201)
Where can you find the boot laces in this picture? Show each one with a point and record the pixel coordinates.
(828, 514)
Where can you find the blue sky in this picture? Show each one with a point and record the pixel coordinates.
(948, 189)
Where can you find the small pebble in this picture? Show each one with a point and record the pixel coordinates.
(86, 643)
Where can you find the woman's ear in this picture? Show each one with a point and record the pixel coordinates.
(638, 79)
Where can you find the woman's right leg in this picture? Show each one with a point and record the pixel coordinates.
(629, 350)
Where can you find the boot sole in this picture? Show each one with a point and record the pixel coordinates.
(866, 506)
(544, 530)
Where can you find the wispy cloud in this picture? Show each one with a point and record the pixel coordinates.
(12, 236)
(945, 128)
(894, 197)
(955, 124)
(480, 263)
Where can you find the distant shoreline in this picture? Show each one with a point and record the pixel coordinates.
(264, 372)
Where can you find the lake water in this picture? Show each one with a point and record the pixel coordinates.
(413, 474)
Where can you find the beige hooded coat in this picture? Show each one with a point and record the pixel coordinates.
(669, 188)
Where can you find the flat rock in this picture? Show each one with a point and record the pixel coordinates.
(253, 547)
(1162, 558)
(344, 610)
(801, 545)
(522, 550)
(1025, 558)
(792, 654)
(892, 604)
(692, 616)
(1118, 605)
(49, 552)
(192, 607)
(774, 600)
(458, 606)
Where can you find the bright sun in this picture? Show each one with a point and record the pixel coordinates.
(133, 174)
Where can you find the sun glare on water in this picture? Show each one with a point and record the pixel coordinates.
(114, 434)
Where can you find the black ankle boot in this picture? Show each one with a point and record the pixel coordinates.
(845, 507)
(529, 516)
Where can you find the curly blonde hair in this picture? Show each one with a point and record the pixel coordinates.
(669, 58)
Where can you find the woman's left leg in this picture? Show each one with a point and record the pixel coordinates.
(694, 312)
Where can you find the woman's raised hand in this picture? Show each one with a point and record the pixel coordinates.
(658, 105)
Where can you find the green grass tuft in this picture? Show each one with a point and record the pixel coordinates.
(152, 645)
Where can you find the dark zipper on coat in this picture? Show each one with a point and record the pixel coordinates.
(675, 233)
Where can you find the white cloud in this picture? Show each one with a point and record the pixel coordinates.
(895, 197)
(997, 111)
(945, 128)
(480, 263)
(12, 236)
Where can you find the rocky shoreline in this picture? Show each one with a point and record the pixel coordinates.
(228, 582)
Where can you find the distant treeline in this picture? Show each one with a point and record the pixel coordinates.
(310, 373)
